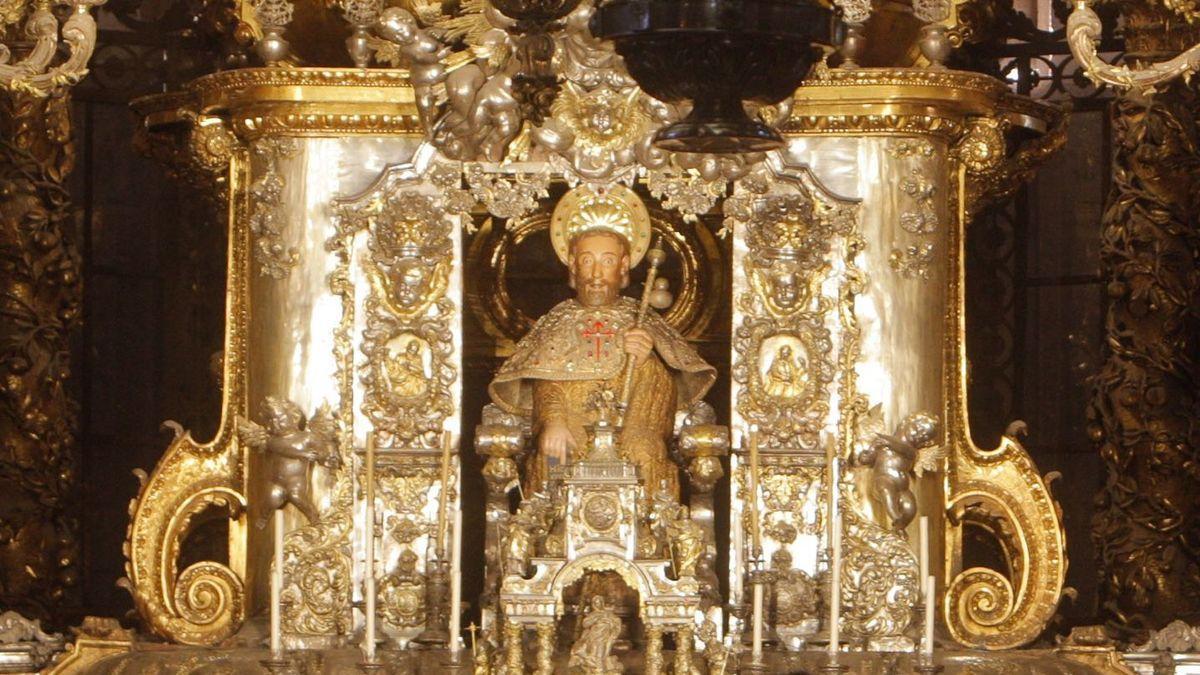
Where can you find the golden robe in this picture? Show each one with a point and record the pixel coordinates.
(574, 351)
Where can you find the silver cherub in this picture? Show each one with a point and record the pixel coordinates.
(893, 458)
(291, 444)
(424, 54)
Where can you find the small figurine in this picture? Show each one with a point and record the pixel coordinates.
(292, 445)
(796, 597)
(25, 644)
(787, 374)
(592, 653)
(672, 522)
(15, 628)
(894, 457)
(526, 528)
(719, 654)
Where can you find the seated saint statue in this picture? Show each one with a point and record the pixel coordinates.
(581, 346)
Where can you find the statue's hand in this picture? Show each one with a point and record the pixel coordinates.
(638, 344)
(556, 441)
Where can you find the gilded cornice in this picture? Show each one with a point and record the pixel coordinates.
(375, 85)
(889, 101)
(161, 110)
(1037, 116)
(295, 102)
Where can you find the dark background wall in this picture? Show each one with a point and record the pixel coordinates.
(154, 265)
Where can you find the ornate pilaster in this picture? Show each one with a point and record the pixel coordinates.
(41, 292)
(514, 657)
(545, 654)
(683, 648)
(654, 645)
(1145, 399)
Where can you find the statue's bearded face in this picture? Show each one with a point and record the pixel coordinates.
(599, 268)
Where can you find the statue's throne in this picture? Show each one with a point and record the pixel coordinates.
(599, 517)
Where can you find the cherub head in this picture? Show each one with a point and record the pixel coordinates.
(407, 564)
(785, 287)
(598, 260)
(400, 25)
(409, 277)
(281, 415)
(918, 430)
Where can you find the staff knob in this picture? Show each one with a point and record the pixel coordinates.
(656, 255)
(660, 296)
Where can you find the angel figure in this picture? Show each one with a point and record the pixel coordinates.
(482, 115)
(423, 52)
(291, 445)
(911, 449)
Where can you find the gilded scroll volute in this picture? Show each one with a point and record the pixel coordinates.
(998, 491)
(993, 173)
(206, 602)
(1002, 492)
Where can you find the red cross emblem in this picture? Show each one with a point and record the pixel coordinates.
(600, 333)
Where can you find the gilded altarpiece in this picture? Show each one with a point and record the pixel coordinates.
(345, 305)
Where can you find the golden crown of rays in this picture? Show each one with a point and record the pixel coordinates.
(616, 209)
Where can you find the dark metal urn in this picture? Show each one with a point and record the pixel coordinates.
(534, 84)
(718, 54)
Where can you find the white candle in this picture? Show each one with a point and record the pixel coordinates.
(456, 583)
(923, 542)
(835, 563)
(277, 588)
(369, 548)
(755, 526)
(443, 501)
(756, 645)
(927, 645)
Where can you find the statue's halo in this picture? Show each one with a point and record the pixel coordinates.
(615, 208)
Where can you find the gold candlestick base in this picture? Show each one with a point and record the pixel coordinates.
(834, 667)
(455, 661)
(926, 666)
(279, 664)
(754, 667)
(372, 666)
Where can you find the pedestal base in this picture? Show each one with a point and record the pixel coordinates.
(279, 666)
(834, 668)
(169, 660)
(458, 662)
